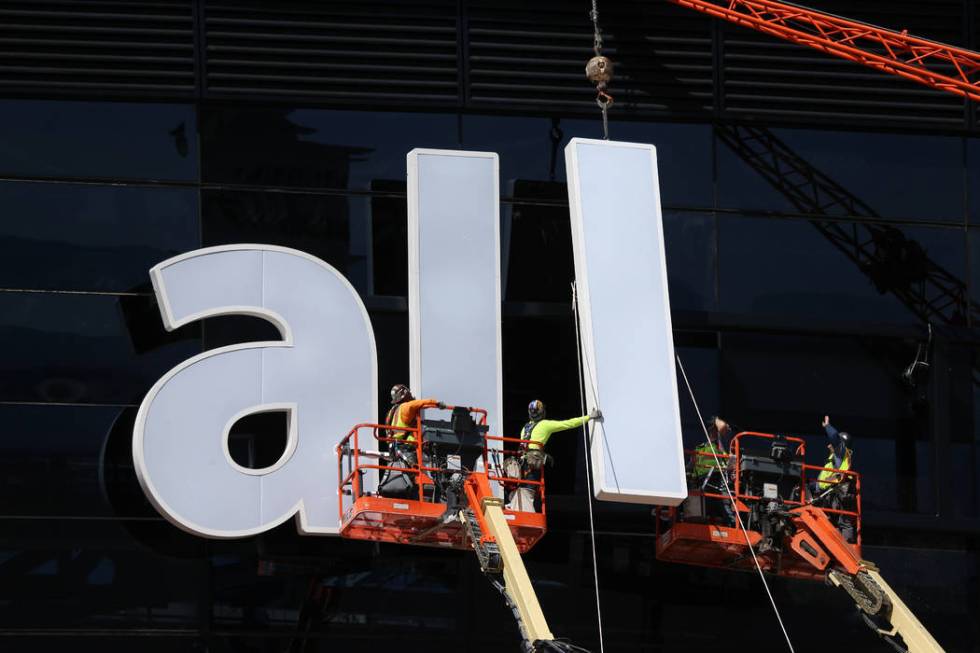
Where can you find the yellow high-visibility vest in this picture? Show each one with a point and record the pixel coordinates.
(704, 463)
(827, 474)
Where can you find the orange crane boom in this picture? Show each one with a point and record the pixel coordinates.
(937, 65)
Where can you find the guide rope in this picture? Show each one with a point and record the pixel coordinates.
(587, 433)
(731, 497)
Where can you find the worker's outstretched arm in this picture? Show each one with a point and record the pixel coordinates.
(409, 410)
(555, 425)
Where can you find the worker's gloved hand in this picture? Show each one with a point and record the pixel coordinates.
(595, 414)
(441, 404)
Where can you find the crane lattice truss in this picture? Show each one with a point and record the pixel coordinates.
(894, 263)
(933, 64)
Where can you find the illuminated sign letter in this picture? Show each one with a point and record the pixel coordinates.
(323, 373)
(624, 312)
(454, 278)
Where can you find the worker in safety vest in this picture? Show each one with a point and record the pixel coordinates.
(404, 412)
(538, 430)
(838, 455)
(832, 488)
(703, 469)
(703, 460)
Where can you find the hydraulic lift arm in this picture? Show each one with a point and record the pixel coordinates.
(818, 540)
(903, 622)
(494, 545)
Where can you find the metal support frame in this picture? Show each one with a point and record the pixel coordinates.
(935, 295)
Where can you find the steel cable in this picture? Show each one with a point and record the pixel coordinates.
(731, 497)
(587, 442)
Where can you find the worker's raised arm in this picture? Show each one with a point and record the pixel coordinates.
(832, 433)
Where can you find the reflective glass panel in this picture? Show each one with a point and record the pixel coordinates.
(69, 461)
(974, 239)
(314, 147)
(58, 138)
(85, 237)
(837, 271)
(531, 149)
(389, 242)
(786, 384)
(938, 584)
(701, 359)
(973, 180)
(540, 363)
(98, 574)
(281, 588)
(85, 348)
(57, 642)
(692, 263)
(895, 176)
(333, 228)
(536, 245)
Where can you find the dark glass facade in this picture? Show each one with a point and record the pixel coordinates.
(778, 317)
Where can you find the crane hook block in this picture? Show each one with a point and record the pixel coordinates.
(599, 70)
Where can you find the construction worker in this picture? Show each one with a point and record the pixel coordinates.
(404, 412)
(703, 460)
(703, 468)
(833, 488)
(538, 430)
(402, 415)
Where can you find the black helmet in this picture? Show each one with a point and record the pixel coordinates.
(845, 439)
(400, 393)
(535, 410)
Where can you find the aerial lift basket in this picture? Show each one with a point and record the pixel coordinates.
(782, 503)
(407, 485)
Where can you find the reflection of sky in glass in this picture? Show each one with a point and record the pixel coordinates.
(105, 216)
(900, 176)
(525, 146)
(51, 459)
(973, 180)
(99, 139)
(689, 240)
(82, 341)
(87, 237)
(789, 267)
(974, 236)
(387, 137)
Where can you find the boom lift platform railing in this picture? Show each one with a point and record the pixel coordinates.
(795, 517)
(439, 483)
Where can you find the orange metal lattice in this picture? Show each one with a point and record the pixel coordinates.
(937, 65)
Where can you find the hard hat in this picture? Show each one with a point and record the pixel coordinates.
(845, 439)
(535, 410)
(400, 393)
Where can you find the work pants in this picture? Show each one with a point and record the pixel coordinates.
(522, 497)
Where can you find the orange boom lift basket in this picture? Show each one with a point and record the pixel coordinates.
(439, 468)
(791, 514)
